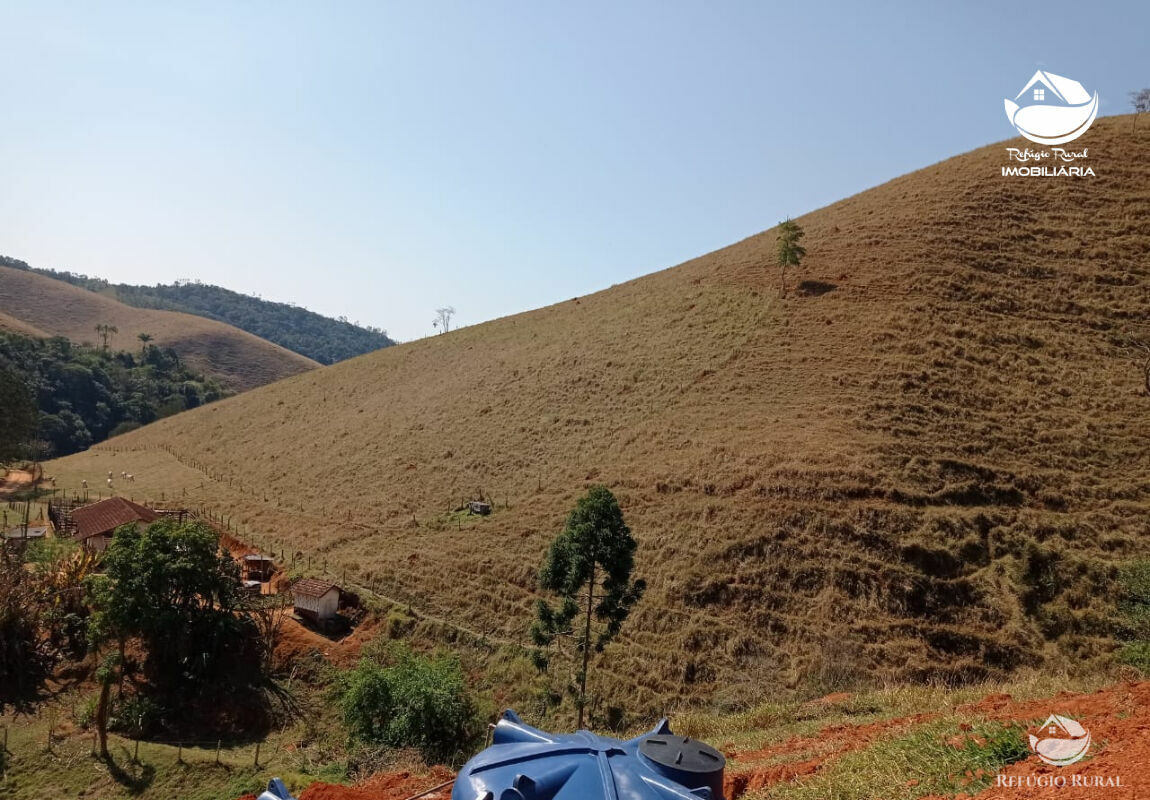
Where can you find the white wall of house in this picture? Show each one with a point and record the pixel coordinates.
(100, 542)
(323, 607)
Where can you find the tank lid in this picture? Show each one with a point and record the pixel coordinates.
(682, 753)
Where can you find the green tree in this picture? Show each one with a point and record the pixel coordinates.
(83, 393)
(19, 418)
(411, 701)
(788, 251)
(144, 339)
(172, 586)
(589, 566)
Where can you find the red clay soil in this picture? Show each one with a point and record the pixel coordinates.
(735, 786)
(1118, 718)
(385, 786)
(296, 640)
(826, 745)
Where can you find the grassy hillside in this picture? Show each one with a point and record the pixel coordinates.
(238, 359)
(313, 335)
(13, 325)
(926, 463)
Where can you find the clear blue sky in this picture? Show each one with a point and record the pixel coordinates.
(377, 160)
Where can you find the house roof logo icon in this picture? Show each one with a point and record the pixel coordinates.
(1054, 109)
(1062, 741)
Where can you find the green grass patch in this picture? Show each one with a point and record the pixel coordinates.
(50, 550)
(937, 758)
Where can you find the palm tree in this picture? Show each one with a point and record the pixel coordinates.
(144, 339)
(104, 331)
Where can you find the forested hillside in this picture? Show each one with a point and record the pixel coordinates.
(37, 305)
(84, 394)
(320, 338)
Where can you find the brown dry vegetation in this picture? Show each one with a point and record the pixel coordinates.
(38, 305)
(13, 325)
(930, 471)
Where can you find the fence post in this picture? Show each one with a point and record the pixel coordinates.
(257, 754)
(136, 754)
(218, 750)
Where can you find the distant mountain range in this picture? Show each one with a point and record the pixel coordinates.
(322, 339)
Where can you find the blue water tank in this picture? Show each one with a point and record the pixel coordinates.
(524, 763)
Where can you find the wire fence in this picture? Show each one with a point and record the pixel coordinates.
(202, 751)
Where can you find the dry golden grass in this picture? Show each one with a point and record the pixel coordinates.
(39, 305)
(928, 472)
(13, 325)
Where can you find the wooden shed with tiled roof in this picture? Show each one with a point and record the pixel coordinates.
(95, 523)
(315, 599)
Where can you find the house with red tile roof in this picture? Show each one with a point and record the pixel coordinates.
(95, 523)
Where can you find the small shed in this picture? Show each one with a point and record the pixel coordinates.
(38, 531)
(315, 599)
(95, 523)
(256, 567)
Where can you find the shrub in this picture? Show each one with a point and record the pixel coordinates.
(1137, 655)
(1133, 623)
(135, 715)
(413, 701)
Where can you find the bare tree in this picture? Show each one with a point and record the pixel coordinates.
(443, 317)
(1140, 100)
(268, 612)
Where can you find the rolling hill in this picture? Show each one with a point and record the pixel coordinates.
(50, 307)
(313, 335)
(926, 462)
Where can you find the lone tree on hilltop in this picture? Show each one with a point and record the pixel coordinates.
(589, 566)
(788, 251)
(1140, 100)
(443, 317)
